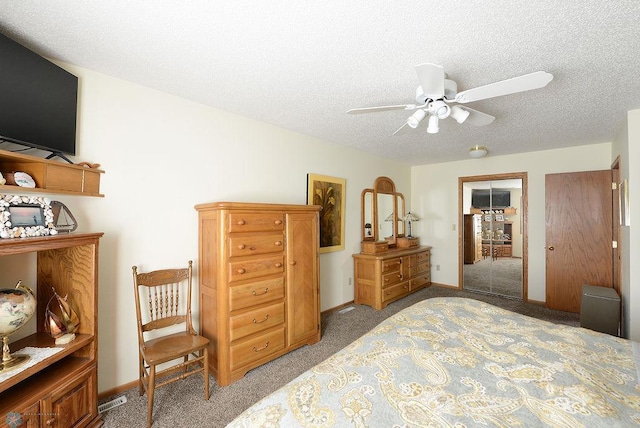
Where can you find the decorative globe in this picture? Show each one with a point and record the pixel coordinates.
(17, 306)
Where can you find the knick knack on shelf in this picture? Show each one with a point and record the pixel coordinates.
(17, 306)
(60, 321)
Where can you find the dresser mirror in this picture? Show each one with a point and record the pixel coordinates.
(383, 210)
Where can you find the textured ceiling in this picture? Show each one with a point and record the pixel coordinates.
(301, 65)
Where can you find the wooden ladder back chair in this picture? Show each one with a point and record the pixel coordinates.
(163, 300)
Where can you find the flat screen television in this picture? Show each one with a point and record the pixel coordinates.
(496, 198)
(38, 101)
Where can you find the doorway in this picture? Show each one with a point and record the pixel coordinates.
(493, 234)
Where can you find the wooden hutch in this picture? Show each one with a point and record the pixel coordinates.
(61, 390)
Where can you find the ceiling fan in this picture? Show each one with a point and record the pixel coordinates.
(437, 97)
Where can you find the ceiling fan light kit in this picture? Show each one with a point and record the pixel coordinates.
(439, 109)
(459, 114)
(477, 152)
(436, 96)
(433, 127)
(415, 119)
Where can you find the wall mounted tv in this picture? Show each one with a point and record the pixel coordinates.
(495, 198)
(38, 101)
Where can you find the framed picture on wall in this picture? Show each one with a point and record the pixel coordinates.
(330, 194)
(499, 217)
(487, 217)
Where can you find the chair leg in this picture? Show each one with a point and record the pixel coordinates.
(206, 373)
(151, 390)
(140, 374)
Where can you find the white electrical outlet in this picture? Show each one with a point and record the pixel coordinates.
(437, 267)
(350, 281)
(454, 226)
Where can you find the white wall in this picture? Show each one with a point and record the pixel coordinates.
(516, 197)
(626, 146)
(633, 231)
(434, 195)
(163, 155)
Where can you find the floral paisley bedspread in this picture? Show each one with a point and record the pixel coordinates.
(460, 362)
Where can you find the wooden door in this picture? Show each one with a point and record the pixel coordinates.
(578, 235)
(303, 295)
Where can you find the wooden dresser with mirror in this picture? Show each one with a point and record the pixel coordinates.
(390, 264)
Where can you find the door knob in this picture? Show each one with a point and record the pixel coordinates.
(551, 248)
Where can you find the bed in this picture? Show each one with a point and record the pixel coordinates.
(460, 362)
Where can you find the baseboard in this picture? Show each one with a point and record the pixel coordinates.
(117, 390)
(453, 287)
(537, 302)
(337, 308)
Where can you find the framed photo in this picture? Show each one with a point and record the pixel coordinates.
(330, 194)
(499, 217)
(25, 216)
(623, 194)
(487, 217)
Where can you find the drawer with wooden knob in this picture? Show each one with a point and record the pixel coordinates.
(420, 281)
(247, 269)
(249, 245)
(391, 278)
(422, 257)
(391, 265)
(391, 293)
(252, 222)
(422, 267)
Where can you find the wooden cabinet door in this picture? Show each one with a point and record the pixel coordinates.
(29, 417)
(302, 278)
(73, 404)
(408, 267)
(579, 215)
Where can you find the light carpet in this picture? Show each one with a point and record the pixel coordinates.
(183, 403)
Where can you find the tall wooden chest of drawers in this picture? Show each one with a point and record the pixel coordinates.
(259, 283)
(385, 277)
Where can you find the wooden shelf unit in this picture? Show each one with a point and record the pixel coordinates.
(50, 176)
(62, 389)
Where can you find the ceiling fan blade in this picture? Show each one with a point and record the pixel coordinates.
(382, 108)
(477, 117)
(431, 78)
(527, 82)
